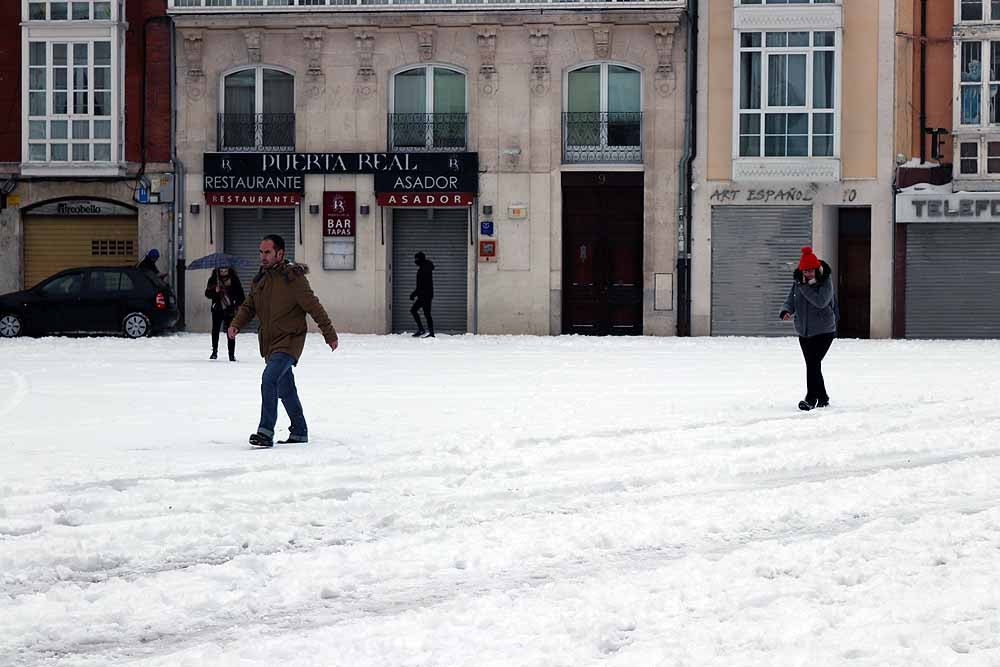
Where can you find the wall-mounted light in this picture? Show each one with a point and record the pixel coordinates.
(365, 209)
(487, 209)
(195, 209)
(314, 209)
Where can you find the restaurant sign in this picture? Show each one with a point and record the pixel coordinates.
(338, 213)
(262, 199)
(394, 172)
(439, 199)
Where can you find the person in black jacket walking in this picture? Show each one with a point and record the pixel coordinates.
(812, 304)
(423, 295)
(226, 293)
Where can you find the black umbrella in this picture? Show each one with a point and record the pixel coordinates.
(220, 260)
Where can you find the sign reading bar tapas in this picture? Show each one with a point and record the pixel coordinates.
(402, 199)
(262, 199)
(338, 213)
(394, 172)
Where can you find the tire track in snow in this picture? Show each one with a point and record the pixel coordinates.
(752, 483)
(414, 594)
(21, 391)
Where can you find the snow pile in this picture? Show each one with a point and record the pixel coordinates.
(501, 501)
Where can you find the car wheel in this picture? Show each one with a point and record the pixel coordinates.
(136, 325)
(10, 326)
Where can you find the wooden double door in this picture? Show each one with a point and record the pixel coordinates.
(602, 253)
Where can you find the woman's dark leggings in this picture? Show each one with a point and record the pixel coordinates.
(814, 348)
(221, 321)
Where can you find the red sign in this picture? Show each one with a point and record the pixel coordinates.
(253, 198)
(338, 213)
(440, 199)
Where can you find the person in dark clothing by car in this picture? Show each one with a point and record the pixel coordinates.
(226, 293)
(423, 295)
(812, 304)
(148, 264)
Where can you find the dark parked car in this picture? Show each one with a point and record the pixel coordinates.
(91, 300)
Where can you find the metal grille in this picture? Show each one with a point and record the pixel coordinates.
(256, 132)
(755, 249)
(952, 280)
(444, 238)
(243, 228)
(596, 137)
(428, 131)
(112, 248)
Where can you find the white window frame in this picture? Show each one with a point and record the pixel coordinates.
(988, 14)
(116, 9)
(811, 18)
(75, 32)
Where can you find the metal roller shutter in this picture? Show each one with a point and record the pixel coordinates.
(243, 228)
(444, 238)
(951, 280)
(52, 244)
(754, 251)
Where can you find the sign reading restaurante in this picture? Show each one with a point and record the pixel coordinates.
(394, 172)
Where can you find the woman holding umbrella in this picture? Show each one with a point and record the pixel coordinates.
(226, 293)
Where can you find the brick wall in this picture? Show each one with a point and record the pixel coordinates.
(156, 100)
(10, 81)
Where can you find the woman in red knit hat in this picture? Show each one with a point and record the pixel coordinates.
(812, 305)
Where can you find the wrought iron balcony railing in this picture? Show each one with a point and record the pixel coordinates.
(602, 137)
(410, 5)
(247, 132)
(428, 131)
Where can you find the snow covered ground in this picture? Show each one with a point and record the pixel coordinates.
(501, 501)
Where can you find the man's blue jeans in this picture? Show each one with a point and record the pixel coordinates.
(278, 382)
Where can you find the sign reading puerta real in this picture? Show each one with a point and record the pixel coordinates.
(401, 179)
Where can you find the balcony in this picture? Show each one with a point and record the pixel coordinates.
(216, 6)
(253, 132)
(436, 132)
(602, 137)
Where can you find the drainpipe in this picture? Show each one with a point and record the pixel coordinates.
(923, 81)
(179, 174)
(685, 171)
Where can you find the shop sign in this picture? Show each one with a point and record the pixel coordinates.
(254, 199)
(394, 172)
(439, 199)
(78, 207)
(338, 213)
(946, 207)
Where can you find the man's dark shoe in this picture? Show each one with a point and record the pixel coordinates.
(823, 403)
(294, 440)
(215, 355)
(806, 406)
(261, 440)
(429, 335)
(419, 333)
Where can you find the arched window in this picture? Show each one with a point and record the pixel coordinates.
(428, 109)
(258, 110)
(602, 121)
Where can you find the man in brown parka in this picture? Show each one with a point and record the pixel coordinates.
(280, 297)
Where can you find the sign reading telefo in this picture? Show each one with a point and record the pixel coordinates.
(338, 213)
(394, 172)
(960, 207)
